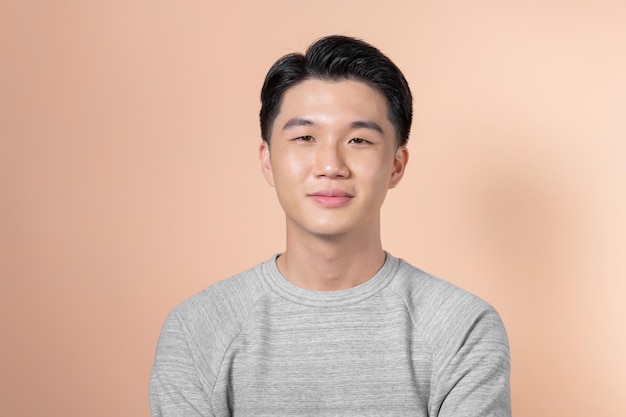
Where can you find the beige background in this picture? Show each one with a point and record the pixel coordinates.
(129, 180)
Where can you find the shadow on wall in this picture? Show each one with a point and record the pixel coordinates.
(529, 208)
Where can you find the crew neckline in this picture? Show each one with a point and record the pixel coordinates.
(290, 291)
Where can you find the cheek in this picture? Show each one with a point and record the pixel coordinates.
(296, 162)
(374, 173)
(289, 171)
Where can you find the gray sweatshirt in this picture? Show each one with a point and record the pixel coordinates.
(404, 343)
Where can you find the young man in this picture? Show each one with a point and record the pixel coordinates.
(333, 326)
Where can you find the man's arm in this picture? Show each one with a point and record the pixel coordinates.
(175, 384)
(474, 379)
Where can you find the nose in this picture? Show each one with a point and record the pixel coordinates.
(330, 161)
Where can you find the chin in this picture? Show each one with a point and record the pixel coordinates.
(324, 228)
(329, 232)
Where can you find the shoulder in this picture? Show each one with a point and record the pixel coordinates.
(224, 305)
(195, 338)
(200, 329)
(443, 312)
(426, 292)
(468, 344)
(206, 323)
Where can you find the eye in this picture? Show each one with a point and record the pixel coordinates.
(359, 141)
(305, 138)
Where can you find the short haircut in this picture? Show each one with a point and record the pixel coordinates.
(336, 58)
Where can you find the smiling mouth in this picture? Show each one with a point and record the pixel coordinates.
(331, 198)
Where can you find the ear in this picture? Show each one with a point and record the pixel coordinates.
(266, 162)
(399, 165)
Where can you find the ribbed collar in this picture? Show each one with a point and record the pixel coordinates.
(292, 292)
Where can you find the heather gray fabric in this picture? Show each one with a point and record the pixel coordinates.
(404, 343)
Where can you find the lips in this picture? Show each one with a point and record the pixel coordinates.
(331, 198)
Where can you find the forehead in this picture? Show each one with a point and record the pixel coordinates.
(334, 100)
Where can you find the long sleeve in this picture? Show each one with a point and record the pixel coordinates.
(176, 388)
(474, 379)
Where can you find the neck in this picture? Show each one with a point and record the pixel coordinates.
(332, 263)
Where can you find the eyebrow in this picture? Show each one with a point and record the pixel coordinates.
(367, 124)
(358, 124)
(297, 121)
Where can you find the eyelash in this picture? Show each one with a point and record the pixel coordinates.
(359, 141)
(305, 138)
(309, 138)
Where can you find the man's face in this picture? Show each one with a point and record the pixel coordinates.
(332, 157)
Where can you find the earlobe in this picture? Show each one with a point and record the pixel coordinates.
(266, 162)
(399, 165)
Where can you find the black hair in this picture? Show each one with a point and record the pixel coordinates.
(337, 58)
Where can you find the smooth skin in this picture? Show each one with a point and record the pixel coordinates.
(332, 158)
